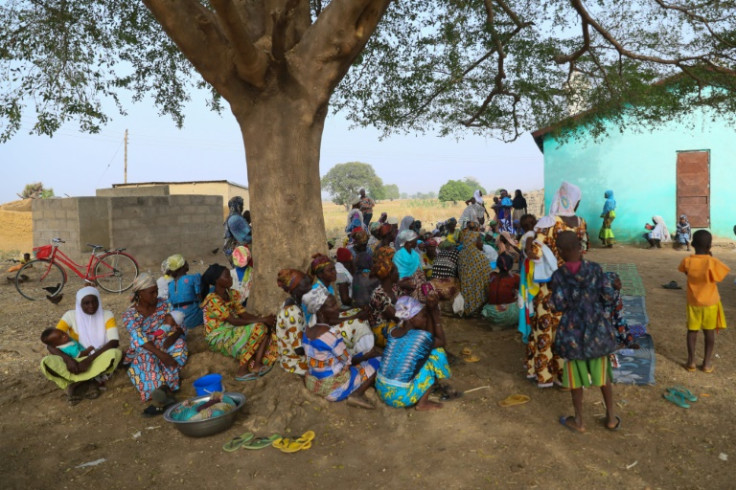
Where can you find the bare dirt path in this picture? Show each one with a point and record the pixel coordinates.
(471, 443)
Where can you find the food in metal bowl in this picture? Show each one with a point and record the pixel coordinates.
(208, 426)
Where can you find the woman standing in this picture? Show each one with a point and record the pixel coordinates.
(237, 229)
(542, 364)
(155, 360)
(518, 205)
(183, 290)
(609, 214)
(232, 331)
(91, 326)
(475, 272)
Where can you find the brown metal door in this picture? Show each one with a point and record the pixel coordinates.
(693, 187)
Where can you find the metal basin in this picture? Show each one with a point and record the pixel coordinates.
(202, 428)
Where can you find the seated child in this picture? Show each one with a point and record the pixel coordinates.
(584, 335)
(62, 341)
(682, 236)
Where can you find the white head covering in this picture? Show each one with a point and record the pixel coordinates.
(544, 223)
(406, 236)
(391, 220)
(178, 317)
(660, 231)
(565, 200)
(478, 197)
(91, 328)
(143, 281)
(355, 200)
(313, 301)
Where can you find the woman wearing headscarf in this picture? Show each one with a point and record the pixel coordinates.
(406, 225)
(242, 272)
(232, 331)
(353, 324)
(237, 229)
(333, 373)
(290, 322)
(409, 264)
(384, 296)
(363, 283)
(93, 327)
(658, 234)
(414, 360)
(355, 217)
(502, 309)
(154, 360)
(386, 236)
(542, 364)
(608, 214)
(474, 271)
(183, 290)
(518, 205)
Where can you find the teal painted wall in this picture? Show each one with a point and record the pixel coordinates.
(641, 168)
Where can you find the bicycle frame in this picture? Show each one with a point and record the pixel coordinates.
(57, 256)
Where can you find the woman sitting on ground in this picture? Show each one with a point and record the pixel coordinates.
(344, 279)
(290, 322)
(409, 263)
(94, 328)
(658, 234)
(333, 373)
(474, 271)
(242, 272)
(682, 236)
(414, 359)
(503, 289)
(383, 298)
(155, 355)
(183, 290)
(363, 283)
(352, 324)
(233, 332)
(386, 234)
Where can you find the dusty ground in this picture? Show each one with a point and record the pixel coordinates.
(471, 443)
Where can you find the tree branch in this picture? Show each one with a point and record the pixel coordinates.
(251, 64)
(195, 31)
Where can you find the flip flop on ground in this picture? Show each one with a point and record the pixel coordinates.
(707, 370)
(261, 442)
(513, 400)
(247, 377)
(677, 399)
(684, 392)
(615, 427)
(237, 442)
(569, 424)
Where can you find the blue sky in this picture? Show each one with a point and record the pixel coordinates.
(209, 147)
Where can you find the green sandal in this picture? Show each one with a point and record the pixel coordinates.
(261, 442)
(676, 398)
(684, 392)
(237, 442)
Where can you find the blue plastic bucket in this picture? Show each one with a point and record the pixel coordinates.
(206, 385)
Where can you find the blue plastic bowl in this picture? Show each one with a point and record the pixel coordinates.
(206, 385)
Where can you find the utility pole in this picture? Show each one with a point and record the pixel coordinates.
(125, 158)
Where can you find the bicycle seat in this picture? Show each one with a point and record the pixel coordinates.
(94, 247)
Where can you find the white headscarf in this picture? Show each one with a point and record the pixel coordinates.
(478, 197)
(91, 328)
(405, 236)
(660, 231)
(567, 197)
(313, 301)
(544, 223)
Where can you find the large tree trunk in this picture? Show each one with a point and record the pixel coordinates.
(282, 137)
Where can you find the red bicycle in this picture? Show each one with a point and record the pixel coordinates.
(112, 270)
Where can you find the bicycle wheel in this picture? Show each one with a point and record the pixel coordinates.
(39, 279)
(115, 272)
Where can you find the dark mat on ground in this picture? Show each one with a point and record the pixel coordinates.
(636, 366)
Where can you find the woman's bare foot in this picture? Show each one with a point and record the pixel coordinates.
(242, 370)
(427, 406)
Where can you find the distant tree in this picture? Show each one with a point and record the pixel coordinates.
(404, 195)
(344, 180)
(474, 185)
(36, 190)
(376, 190)
(455, 190)
(391, 191)
(432, 195)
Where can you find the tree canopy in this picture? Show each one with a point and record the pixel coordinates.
(391, 191)
(474, 185)
(455, 190)
(496, 67)
(36, 190)
(344, 181)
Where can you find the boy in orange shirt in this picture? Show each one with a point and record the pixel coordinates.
(704, 309)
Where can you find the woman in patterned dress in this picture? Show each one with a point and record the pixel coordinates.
(383, 298)
(542, 365)
(290, 322)
(154, 360)
(475, 272)
(232, 331)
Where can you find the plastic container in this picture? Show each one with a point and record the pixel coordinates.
(206, 385)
